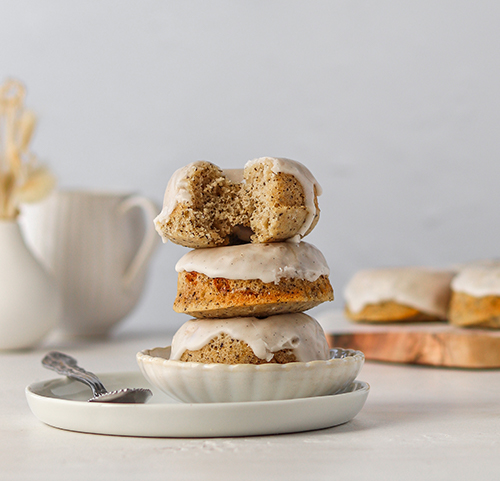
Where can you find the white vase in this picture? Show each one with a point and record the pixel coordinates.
(30, 303)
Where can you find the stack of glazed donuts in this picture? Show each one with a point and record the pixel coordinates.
(249, 276)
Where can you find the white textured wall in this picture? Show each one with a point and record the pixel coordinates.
(394, 106)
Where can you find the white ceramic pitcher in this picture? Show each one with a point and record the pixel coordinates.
(98, 246)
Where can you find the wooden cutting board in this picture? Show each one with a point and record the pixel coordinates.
(436, 344)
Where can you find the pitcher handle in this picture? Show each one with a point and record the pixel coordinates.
(149, 241)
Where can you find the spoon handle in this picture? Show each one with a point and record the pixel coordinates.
(67, 365)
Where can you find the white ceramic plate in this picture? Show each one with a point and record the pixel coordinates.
(62, 403)
(204, 383)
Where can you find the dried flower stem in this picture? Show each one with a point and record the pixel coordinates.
(20, 179)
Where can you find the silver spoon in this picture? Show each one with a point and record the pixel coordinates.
(67, 365)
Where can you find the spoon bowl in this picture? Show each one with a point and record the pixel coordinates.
(126, 395)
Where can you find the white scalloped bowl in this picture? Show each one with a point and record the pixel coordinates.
(194, 382)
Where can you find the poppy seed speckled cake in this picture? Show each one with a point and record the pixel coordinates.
(247, 340)
(270, 200)
(252, 280)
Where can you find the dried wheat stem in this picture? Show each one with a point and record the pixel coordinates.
(20, 179)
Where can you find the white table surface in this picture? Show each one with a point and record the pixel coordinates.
(419, 423)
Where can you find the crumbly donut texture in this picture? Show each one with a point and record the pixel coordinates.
(223, 349)
(204, 297)
(205, 207)
(468, 310)
(389, 311)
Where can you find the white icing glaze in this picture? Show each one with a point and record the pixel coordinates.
(306, 179)
(479, 280)
(267, 262)
(424, 289)
(298, 332)
(177, 191)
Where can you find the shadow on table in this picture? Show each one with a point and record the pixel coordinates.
(380, 415)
